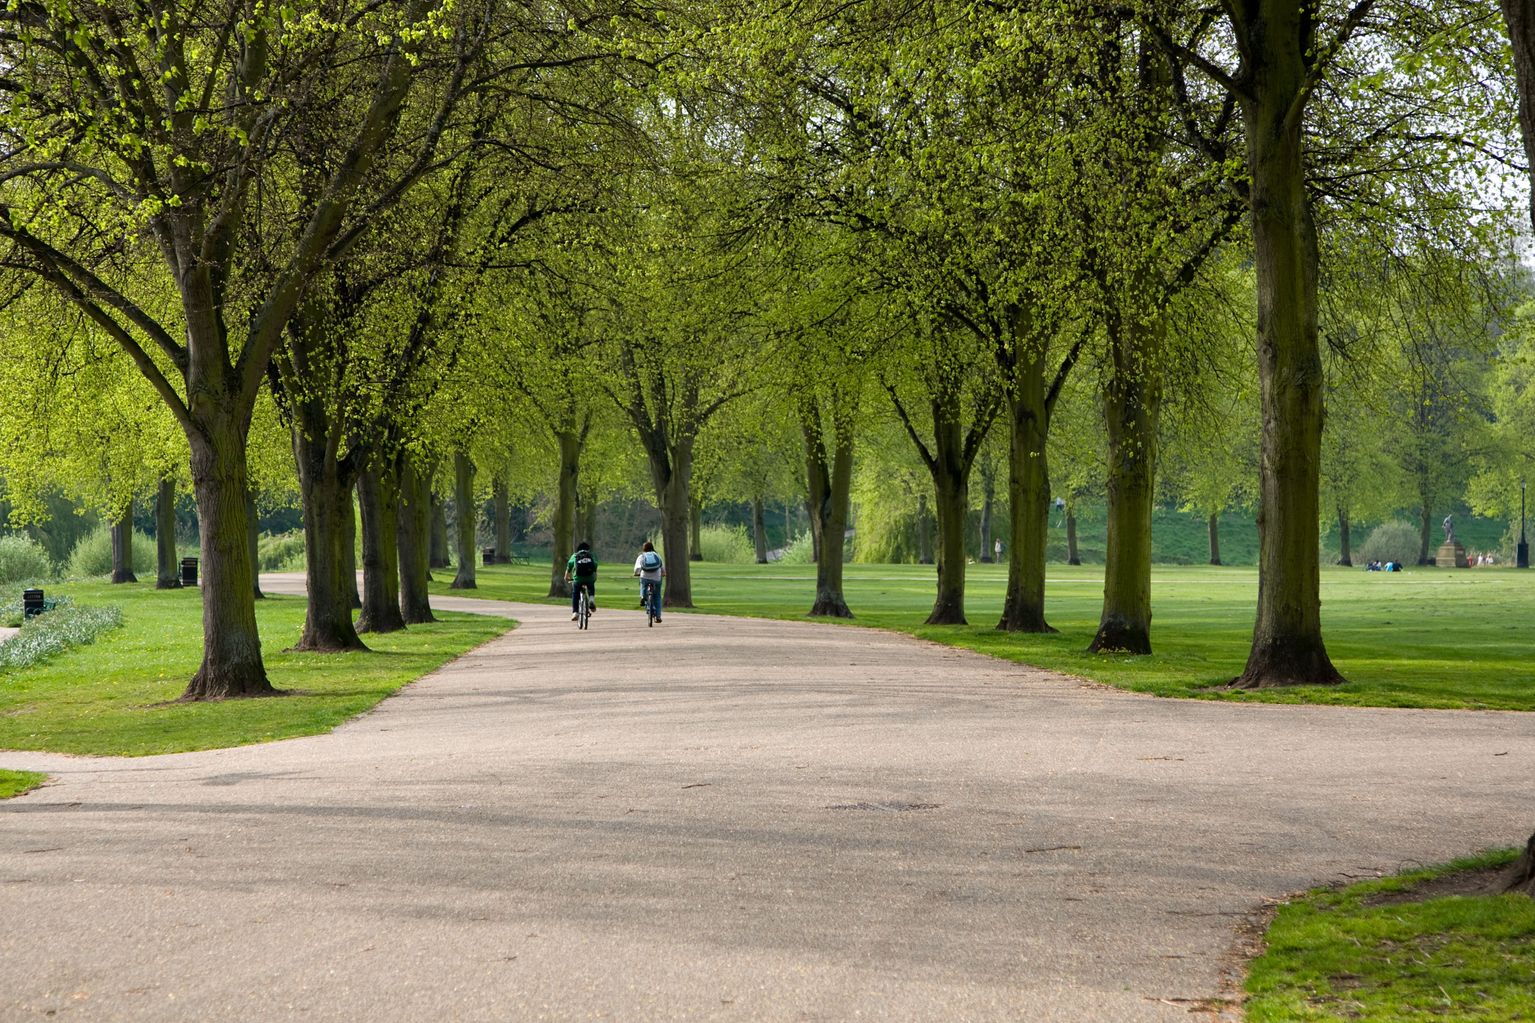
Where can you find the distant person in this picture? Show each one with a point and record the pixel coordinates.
(997, 547)
(581, 568)
(651, 570)
(1374, 566)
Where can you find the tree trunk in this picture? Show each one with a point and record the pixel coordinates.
(695, 532)
(1521, 33)
(1287, 646)
(377, 496)
(566, 496)
(952, 501)
(1345, 547)
(671, 471)
(988, 504)
(830, 479)
(167, 565)
(468, 520)
(324, 487)
(1028, 492)
(439, 555)
(503, 515)
(816, 536)
(759, 529)
(1213, 530)
(232, 665)
(1521, 876)
(1130, 407)
(1425, 531)
(253, 541)
(349, 550)
(122, 547)
(413, 538)
(1072, 557)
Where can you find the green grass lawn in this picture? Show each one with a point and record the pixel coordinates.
(14, 783)
(110, 697)
(1342, 955)
(1421, 638)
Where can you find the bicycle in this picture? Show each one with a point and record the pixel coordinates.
(647, 586)
(583, 607)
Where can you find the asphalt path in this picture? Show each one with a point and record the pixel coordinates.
(723, 819)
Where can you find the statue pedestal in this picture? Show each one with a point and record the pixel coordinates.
(1451, 555)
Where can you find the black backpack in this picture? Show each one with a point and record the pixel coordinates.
(586, 565)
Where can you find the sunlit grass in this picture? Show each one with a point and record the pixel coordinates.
(1422, 638)
(14, 783)
(112, 697)
(1335, 956)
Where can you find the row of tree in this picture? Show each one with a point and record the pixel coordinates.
(426, 239)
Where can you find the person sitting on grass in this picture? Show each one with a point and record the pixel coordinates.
(581, 567)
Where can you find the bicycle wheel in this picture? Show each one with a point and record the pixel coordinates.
(584, 610)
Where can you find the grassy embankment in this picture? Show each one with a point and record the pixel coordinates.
(1421, 638)
(14, 783)
(1354, 954)
(112, 697)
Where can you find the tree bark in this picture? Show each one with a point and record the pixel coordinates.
(566, 495)
(1072, 557)
(1278, 38)
(232, 664)
(695, 532)
(324, 489)
(1345, 547)
(1520, 17)
(671, 470)
(468, 520)
(988, 504)
(253, 542)
(122, 547)
(413, 538)
(1028, 493)
(503, 515)
(377, 496)
(349, 549)
(759, 529)
(439, 554)
(830, 483)
(952, 503)
(1213, 530)
(167, 565)
(1425, 531)
(1521, 876)
(1131, 401)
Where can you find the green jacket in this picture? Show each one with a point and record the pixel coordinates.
(570, 567)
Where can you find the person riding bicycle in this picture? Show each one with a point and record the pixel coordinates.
(651, 570)
(581, 567)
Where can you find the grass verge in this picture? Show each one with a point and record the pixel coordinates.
(1374, 953)
(1422, 638)
(14, 783)
(111, 698)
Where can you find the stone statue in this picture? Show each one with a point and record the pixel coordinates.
(1449, 529)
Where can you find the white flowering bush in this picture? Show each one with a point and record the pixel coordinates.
(55, 631)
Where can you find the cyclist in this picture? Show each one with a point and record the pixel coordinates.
(581, 567)
(651, 570)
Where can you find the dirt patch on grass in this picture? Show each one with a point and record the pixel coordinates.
(1484, 881)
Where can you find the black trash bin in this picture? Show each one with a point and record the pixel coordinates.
(488, 556)
(189, 571)
(31, 603)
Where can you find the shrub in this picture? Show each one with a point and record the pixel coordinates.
(1393, 541)
(729, 545)
(23, 559)
(800, 550)
(92, 556)
(56, 631)
(283, 552)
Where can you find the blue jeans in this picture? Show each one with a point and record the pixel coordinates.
(575, 593)
(650, 596)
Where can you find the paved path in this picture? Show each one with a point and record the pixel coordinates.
(722, 820)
